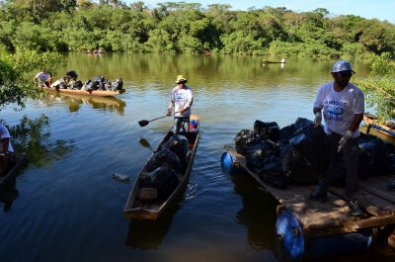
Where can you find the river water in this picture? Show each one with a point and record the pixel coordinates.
(65, 206)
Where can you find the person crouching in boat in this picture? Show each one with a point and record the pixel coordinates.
(181, 100)
(43, 79)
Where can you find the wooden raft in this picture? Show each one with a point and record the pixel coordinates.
(332, 217)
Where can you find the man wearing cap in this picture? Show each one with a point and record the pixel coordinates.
(343, 108)
(181, 101)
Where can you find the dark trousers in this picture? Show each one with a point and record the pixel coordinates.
(348, 156)
(181, 124)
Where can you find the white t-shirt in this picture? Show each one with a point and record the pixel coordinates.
(340, 107)
(181, 98)
(5, 134)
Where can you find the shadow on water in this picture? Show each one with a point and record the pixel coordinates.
(147, 234)
(30, 137)
(258, 212)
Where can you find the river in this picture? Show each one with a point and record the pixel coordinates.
(65, 206)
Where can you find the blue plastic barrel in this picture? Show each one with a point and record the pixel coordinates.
(227, 162)
(290, 233)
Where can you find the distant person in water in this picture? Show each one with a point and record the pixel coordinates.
(181, 100)
(342, 104)
(43, 79)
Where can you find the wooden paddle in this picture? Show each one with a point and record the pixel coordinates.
(143, 123)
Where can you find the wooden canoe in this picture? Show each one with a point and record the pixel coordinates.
(282, 61)
(137, 209)
(371, 120)
(84, 92)
(5, 179)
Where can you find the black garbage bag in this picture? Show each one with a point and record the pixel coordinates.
(307, 154)
(76, 85)
(179, 145)
(257, 153)
(165, 180)
(374, 156)
(165, 156)
(117, 85)
(243, 139)
(267, 130)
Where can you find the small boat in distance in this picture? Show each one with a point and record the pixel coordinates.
(387, 129)
(274, 62)
(144, 203)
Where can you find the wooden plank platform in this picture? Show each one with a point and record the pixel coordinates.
(332, 217)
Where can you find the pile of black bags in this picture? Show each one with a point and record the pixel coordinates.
(167, 165)
(100, 83)
(298, 153)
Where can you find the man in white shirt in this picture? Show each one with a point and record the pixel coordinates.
(343, 108)
(181, 100)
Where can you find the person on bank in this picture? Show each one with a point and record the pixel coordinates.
(343, 108)
(5, 140)
(181, 100)
(43, 79)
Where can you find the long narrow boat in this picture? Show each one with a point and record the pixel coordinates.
(85, 92)
(139, 209)
(5, 179)
(371, 120)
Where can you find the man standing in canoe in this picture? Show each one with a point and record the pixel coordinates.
(181, 101)
(343, 108)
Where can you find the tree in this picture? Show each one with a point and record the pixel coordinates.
(379, 87)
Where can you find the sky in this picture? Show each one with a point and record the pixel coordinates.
(380, 9)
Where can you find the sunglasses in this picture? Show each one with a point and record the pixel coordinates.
(346, 74)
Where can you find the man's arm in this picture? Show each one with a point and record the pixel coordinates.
(355, 123)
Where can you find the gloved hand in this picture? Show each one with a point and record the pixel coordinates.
(344, 140)
(168, 112)
(317, 119)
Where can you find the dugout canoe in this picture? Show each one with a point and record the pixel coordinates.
(139, 209)
(386, 129)
(12, 172)
(85, 92)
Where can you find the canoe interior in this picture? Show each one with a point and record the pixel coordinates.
(152, 209)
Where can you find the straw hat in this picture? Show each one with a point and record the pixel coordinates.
(181, 79)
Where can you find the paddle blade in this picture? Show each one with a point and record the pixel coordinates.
(143, 123)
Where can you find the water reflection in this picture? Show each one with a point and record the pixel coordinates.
(74, 102)
(150, 234)
(32, 137)
(255, 213)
